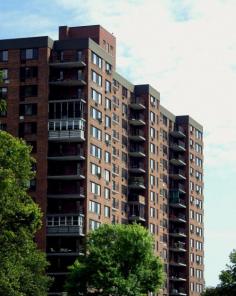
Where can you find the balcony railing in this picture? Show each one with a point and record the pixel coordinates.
(137, 135)
(136, 199)
(178, 292)
(178, 146)
(65, 224)
(178, 246)
(66, 129)
(137, 120)
(178, 132)
(69, 62)
(79, 80)
(178, 160)
(137, 103)
(178, 218)
(178, 232)
(177, 174)
(137, 183)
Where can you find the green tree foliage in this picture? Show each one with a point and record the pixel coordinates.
(227, 286)
(22, 266)
(119, 262)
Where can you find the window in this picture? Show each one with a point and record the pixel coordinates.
(28, 73)
(97, 60)
(124, 174)
(152, 180)
(28, 91)
(96, 133)
(29, 54)
(152, 116)
(152, 212)
(95, 169)
(107, 104)
(4, 73)
(153, 101)
(107, 121)
(94, 207)
(28, 109)
(124, 157)
(108, 68)
(95, 114)
(107, 156)
(152, 164)
(191, 214)
(152, 148)
(3, 55)
(107, 212)
(124, 92)
(152, 196)
(95, 188)
(107, 175)
(124, 109)
(152, 228)
(3, 92)
(96, 151)
(94, 224)
(115, 169)
(107, 193)
(96, 78)
(96, 96)
(152, 132)
(27, 128)
(107, 86)
(107, 139)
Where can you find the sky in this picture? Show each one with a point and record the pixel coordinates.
(186, 49)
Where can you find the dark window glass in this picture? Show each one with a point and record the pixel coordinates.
(28, 91)
(28, 109)
(27, 128)
(3, 55)
(29, 54)
(28, 73)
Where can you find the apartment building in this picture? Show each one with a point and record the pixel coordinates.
(106, 151)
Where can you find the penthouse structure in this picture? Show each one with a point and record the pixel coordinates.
(107, 151)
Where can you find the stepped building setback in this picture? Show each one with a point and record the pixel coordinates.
(107, 151)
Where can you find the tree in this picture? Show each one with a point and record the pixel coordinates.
(22, 266)
(227, 286)
(119, 262)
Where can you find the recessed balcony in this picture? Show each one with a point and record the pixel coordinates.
(178, 187)
(136, 183)
(178, 218)
(137, 103)
(177, 202)
(65, 225)
(178, 132)
(137, 168)
(178, 161)
(178, 292)
(137, 120)
(137, 136)
(66, 130)
(178, 247)
(178, 146)
(66, 173)
(177, 232)
(136, 212)
(177, 262)
(178, 278)
(68, 64)
(177, 174)
(137, 151)
(137, 199)
(73, 81)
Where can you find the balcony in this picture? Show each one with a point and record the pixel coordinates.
(178, 146)
(137, 168)
(178, 247)
(177, 262)
(73, 81)
(66, 173)
(178, 187)
(51, 252)
(137, 212)
(137, 136)
(178, 292)
(180, 277)
(137, 103)
(77, 154)
(178, 161)
(175, 200)
(68, 64)
(137, 120)
(137, 151)
(178, 132)
(65, 225)
(136, 183)
(177, 174)
(137, 199)
(178, 218)
(68, 191)
(178, 232)
(66, 130)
